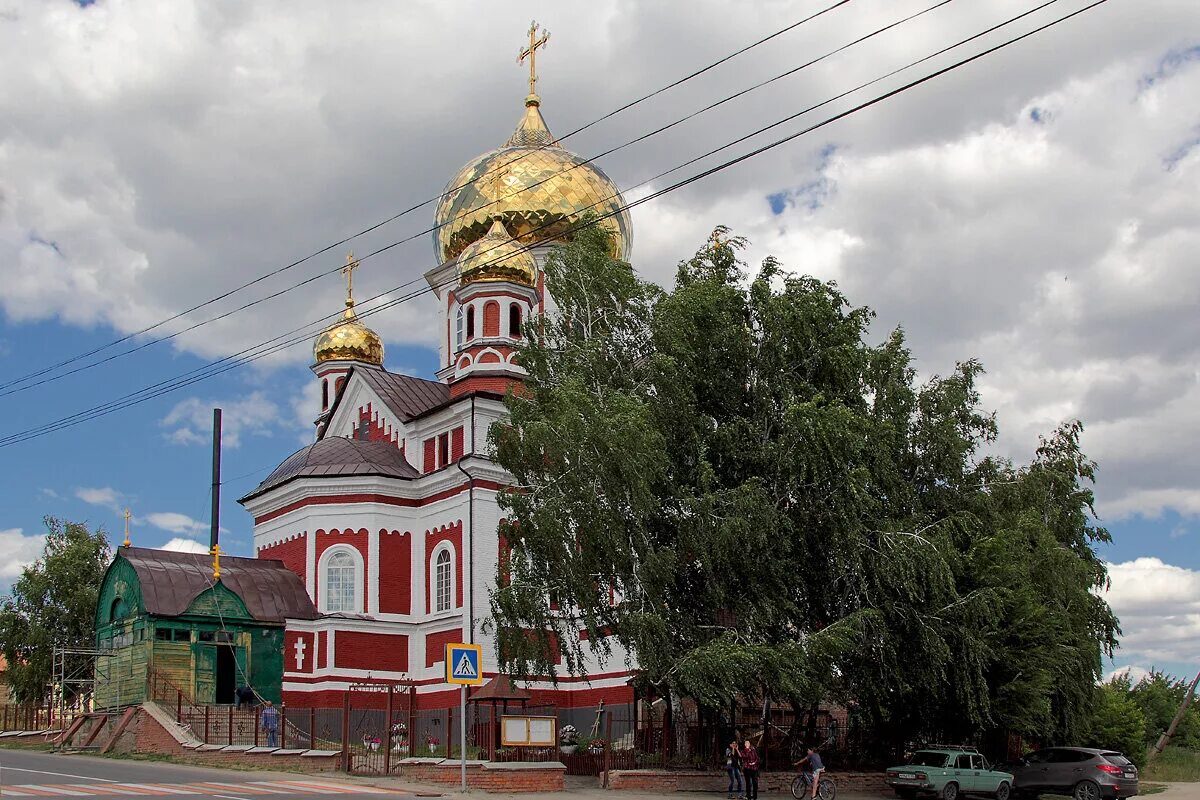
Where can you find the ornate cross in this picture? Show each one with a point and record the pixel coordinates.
(300, 647)
(531, 52)
(348, 271)
(127, 516)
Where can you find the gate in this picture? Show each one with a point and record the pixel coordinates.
(376, 722)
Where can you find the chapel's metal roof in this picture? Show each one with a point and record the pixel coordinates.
(407, 397)
(171, 580)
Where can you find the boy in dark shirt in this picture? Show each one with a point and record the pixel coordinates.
(817, 766)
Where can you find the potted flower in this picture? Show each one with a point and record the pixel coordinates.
(433, 743)
(568, 739)
(597, 745)
(370, 742)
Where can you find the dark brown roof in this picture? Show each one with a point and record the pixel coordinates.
(338, 457)
(170, 581)
(499, 689)
(406, 397)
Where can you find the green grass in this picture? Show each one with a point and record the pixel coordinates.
(1175, 764)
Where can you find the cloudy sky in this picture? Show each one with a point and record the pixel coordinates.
(1038, 209)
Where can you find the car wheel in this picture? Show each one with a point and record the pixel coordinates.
(1086, 790)
(950, 791)
(1003, 791)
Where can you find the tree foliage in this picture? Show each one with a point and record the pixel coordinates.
(1117, 722)
(52, 604)
(729, 482)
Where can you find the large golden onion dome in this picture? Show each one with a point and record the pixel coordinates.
(538, 189)
(348, 339)
(496, 257)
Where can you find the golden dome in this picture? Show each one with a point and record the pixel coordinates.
(495, 186)
(348, 339)
(496, 257)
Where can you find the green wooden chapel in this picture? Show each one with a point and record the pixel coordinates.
(162, 611)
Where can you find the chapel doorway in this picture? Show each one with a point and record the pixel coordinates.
(226, 683)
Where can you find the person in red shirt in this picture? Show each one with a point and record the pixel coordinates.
(750, 770)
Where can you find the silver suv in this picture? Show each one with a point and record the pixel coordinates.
(1085, 773)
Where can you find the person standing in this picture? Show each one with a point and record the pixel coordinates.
(733, 766)
(270, 723)
(750, 770)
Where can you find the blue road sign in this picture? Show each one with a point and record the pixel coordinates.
(463, 664)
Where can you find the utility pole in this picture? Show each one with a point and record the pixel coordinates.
(1165, 739)
(214, 549)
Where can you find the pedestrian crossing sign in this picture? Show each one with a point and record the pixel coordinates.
(463, 664)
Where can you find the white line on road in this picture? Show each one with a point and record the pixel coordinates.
(59, 774)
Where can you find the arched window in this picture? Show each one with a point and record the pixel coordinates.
(458, 328)
(443, 577)
(119, 610)
(325, 394)
(470, 323)
(514, 321)
(341, 579)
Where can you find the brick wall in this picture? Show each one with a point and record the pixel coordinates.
(657, 781)
(395, 572)
(146, 735)
(291, 553)
(387, 652)
(508, 778)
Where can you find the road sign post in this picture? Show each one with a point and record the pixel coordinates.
(464, 667)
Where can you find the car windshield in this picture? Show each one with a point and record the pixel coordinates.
(1116, 758)
(928, 758)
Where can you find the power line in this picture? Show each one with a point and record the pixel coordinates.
(637, 140)
(394, 217)
(117, 405)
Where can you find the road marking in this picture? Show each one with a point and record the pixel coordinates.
(59, 774)
(59, 788)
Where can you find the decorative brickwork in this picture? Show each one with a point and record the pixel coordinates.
(530, 776)
(395, 572)
(371, 651)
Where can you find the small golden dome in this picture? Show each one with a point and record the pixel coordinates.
(496, 257)
(496, 187)
(348, 339)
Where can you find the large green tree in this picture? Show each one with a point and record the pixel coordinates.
(729, 481)
(53, 604)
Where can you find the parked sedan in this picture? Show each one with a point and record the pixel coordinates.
(1085, 773)
(947, 773)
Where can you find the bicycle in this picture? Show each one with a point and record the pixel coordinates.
(802, 787)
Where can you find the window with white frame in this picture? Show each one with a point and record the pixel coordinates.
(443, 580)
(458, 329)
(341, 582)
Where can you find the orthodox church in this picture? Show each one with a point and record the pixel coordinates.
(390, 518)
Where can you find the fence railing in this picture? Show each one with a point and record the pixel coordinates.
(27, 717)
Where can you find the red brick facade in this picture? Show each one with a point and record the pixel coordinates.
(435, 645)
(395, 572)
(453, 534)
(371, 651)
(356, 539)
(291, 553)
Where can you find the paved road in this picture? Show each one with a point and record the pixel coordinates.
(26, 775)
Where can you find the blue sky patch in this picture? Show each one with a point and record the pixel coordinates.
(1169, 65)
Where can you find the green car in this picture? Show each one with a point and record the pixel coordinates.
(948, 772)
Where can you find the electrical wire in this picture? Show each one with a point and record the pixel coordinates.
(100, 411)
(555, 176)
(448, 191)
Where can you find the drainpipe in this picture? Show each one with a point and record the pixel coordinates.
(469, 547)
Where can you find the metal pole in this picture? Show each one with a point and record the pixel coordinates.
(462, 733)
(215, 524)
(387, 737)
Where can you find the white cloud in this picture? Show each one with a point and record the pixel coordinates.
(190, 421)
(1036, 209)
(174, 522)
(182, 545)
(105, 497)
(1159, 608)
(1134, 672)
(18, 551)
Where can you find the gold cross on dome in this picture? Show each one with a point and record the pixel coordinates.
(127, 516)
(348, 270)
(531, 53)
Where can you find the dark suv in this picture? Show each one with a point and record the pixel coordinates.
(1082, 772)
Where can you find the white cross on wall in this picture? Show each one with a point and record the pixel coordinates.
(300, 646)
